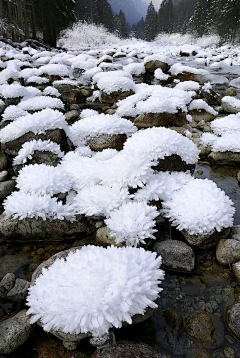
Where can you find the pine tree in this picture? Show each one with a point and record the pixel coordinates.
(150, 28)
(166, 17)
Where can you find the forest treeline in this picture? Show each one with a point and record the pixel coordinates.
(198, 17)
(45, 19)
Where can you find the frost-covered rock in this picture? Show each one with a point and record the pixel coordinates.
(160, 144)
(154, 99)
(86, 278)
(231, 104)
(101, 131)
(200, 110)
(187, 73)
(29, 148)
(153, 62)
(189, 210)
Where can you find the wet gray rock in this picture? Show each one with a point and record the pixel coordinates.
(6, 188)
(206, 329)
(128, 349)
(39, 230)
(72, 115)
(233, 319)
(7, 284)
(3, 162)
(238, 177)
(201, 115)
(228, 251)
(224, 158)
(19, 291)
(14, 332)
(176, 255)
(206, 241)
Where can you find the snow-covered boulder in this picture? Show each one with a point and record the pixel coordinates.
(113, 89)
(155, 106)
(231, 104)
(101, 131)
(187, 73)
(84, 275)
(169, 150)
(202, 212)
(201, 111)
(156, 61)
(47, 124)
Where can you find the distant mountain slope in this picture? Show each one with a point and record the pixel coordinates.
(134, 10)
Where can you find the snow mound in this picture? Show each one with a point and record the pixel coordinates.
(162, 185)
(21, 205)
(158, 57)
(15, 90)
(200, 104)
(228, 142)
(158, 143)
(100, 200)
(40, 102)
(228, 124)
(136, 69)
(154, 99)
(178, 68)
(38, 123)
(188, 86)
(160, 75)
(99, 294)
(99, 124)
(109, 84)
(55, 70)
(43, 179)
(28, 149)
(132, 223)
(200, 208)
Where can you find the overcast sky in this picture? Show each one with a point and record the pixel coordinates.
(155, 2)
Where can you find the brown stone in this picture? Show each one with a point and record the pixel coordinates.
(114, 96)
(152, 66)
(50, 348)
(207, 330)
(105, 141)
(187, 76)
(149, 120)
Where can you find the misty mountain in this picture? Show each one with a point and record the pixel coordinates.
(134, 9)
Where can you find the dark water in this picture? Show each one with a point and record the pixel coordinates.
(226, 179)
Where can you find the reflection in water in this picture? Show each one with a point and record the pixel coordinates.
(225, 178)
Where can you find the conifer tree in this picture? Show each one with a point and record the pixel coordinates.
(151, 22)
